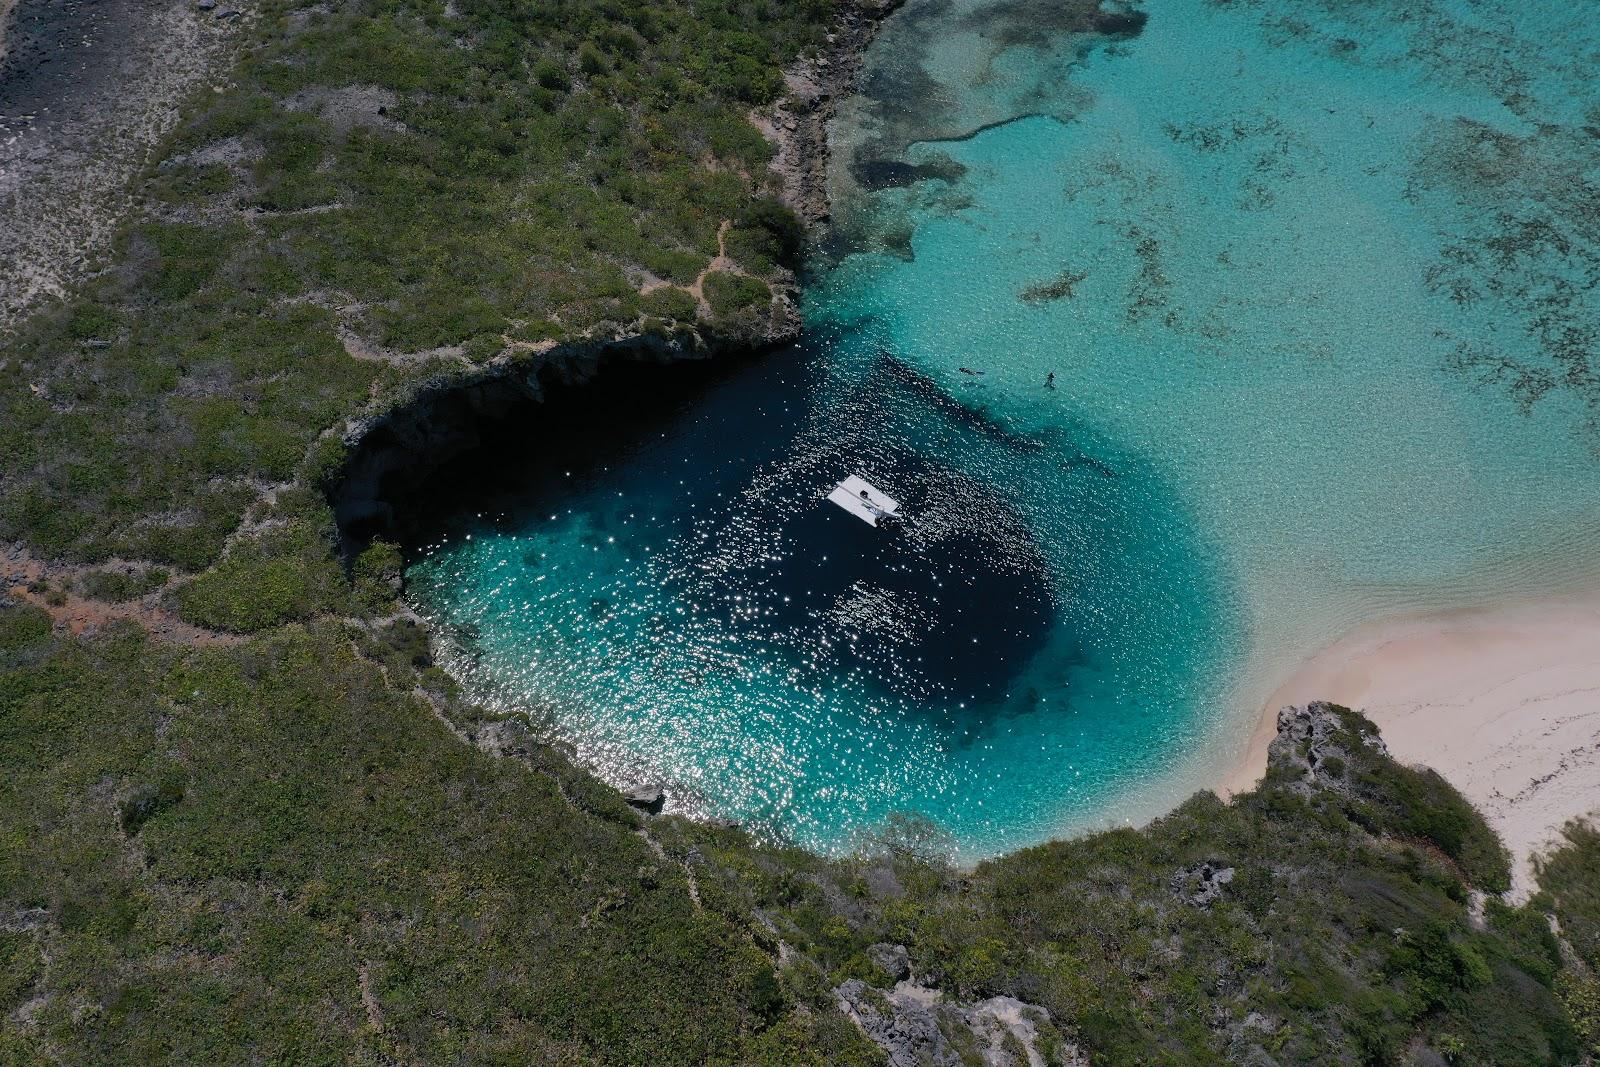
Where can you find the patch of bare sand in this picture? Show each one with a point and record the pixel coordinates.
(1503, 701)
(77, 614)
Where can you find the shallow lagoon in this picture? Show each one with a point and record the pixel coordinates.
(1318, 286)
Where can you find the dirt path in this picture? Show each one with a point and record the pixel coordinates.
(721, 263)
(81, 615)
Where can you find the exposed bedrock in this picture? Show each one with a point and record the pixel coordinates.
(917, 1026)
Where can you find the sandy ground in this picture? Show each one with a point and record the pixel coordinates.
(1503, 701)
(78, 615)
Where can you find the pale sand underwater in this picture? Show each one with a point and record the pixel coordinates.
(1503, 701)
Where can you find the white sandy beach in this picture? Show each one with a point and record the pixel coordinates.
(1503, 701)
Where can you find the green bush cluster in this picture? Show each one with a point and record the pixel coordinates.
(286, 575)
(250, 853)
(1334, 941)
(223, 856)
(422, 176)
(728, 294)
(121, 585)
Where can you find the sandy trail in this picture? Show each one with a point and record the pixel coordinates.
(1503, 701)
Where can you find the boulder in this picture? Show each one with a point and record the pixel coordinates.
(892, 960)
(917, 1026)
(1315, 745)
(903, 1025)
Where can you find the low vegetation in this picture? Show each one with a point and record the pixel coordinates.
(286, 851)
(298, 845)
(384, 185)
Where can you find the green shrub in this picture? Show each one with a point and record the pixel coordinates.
(727, 294)
(288, 575)
(21, 625)
(1569, 887)
(378, 573)
(117, 586)
(551, 76)
(671, 302)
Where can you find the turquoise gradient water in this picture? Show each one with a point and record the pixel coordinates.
(1318, 286)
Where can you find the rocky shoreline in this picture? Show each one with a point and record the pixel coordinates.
(798, 123)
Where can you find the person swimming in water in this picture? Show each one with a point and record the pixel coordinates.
(1050, 380)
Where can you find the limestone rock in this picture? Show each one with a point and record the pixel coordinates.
(903, 1024)
(1312, 749)
(892, 960)
(507, 738)
(649, 798)
(1201, 883)
(916, 1026)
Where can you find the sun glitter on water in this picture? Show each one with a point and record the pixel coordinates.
(1304, 375)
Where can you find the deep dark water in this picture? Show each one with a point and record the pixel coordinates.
(937, 607)
(649, 564)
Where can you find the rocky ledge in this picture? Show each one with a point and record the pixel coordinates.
(391, 455)
(798, 123)
(917, 1026)
(1315, 745)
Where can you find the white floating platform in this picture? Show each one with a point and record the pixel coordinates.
(863, 501)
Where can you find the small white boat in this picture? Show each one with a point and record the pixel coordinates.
(865, 502)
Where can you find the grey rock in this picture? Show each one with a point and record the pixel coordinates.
(206, 5)
(649, 798)
(1257, 1021)
(994, 1020)
(903, 1024)
(1201, 883)
(892, 960)
(1311, 747)
(916, 1026)
(506, 738)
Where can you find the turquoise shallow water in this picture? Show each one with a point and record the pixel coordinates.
(1318, 285)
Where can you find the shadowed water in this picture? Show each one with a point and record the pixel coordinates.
(1317, 283)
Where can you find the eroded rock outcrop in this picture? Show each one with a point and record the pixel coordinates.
(1201, 884)
(1314, 746)
(917, 1026)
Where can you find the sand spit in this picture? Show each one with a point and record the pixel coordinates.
(86, 89)
(1503, 701)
